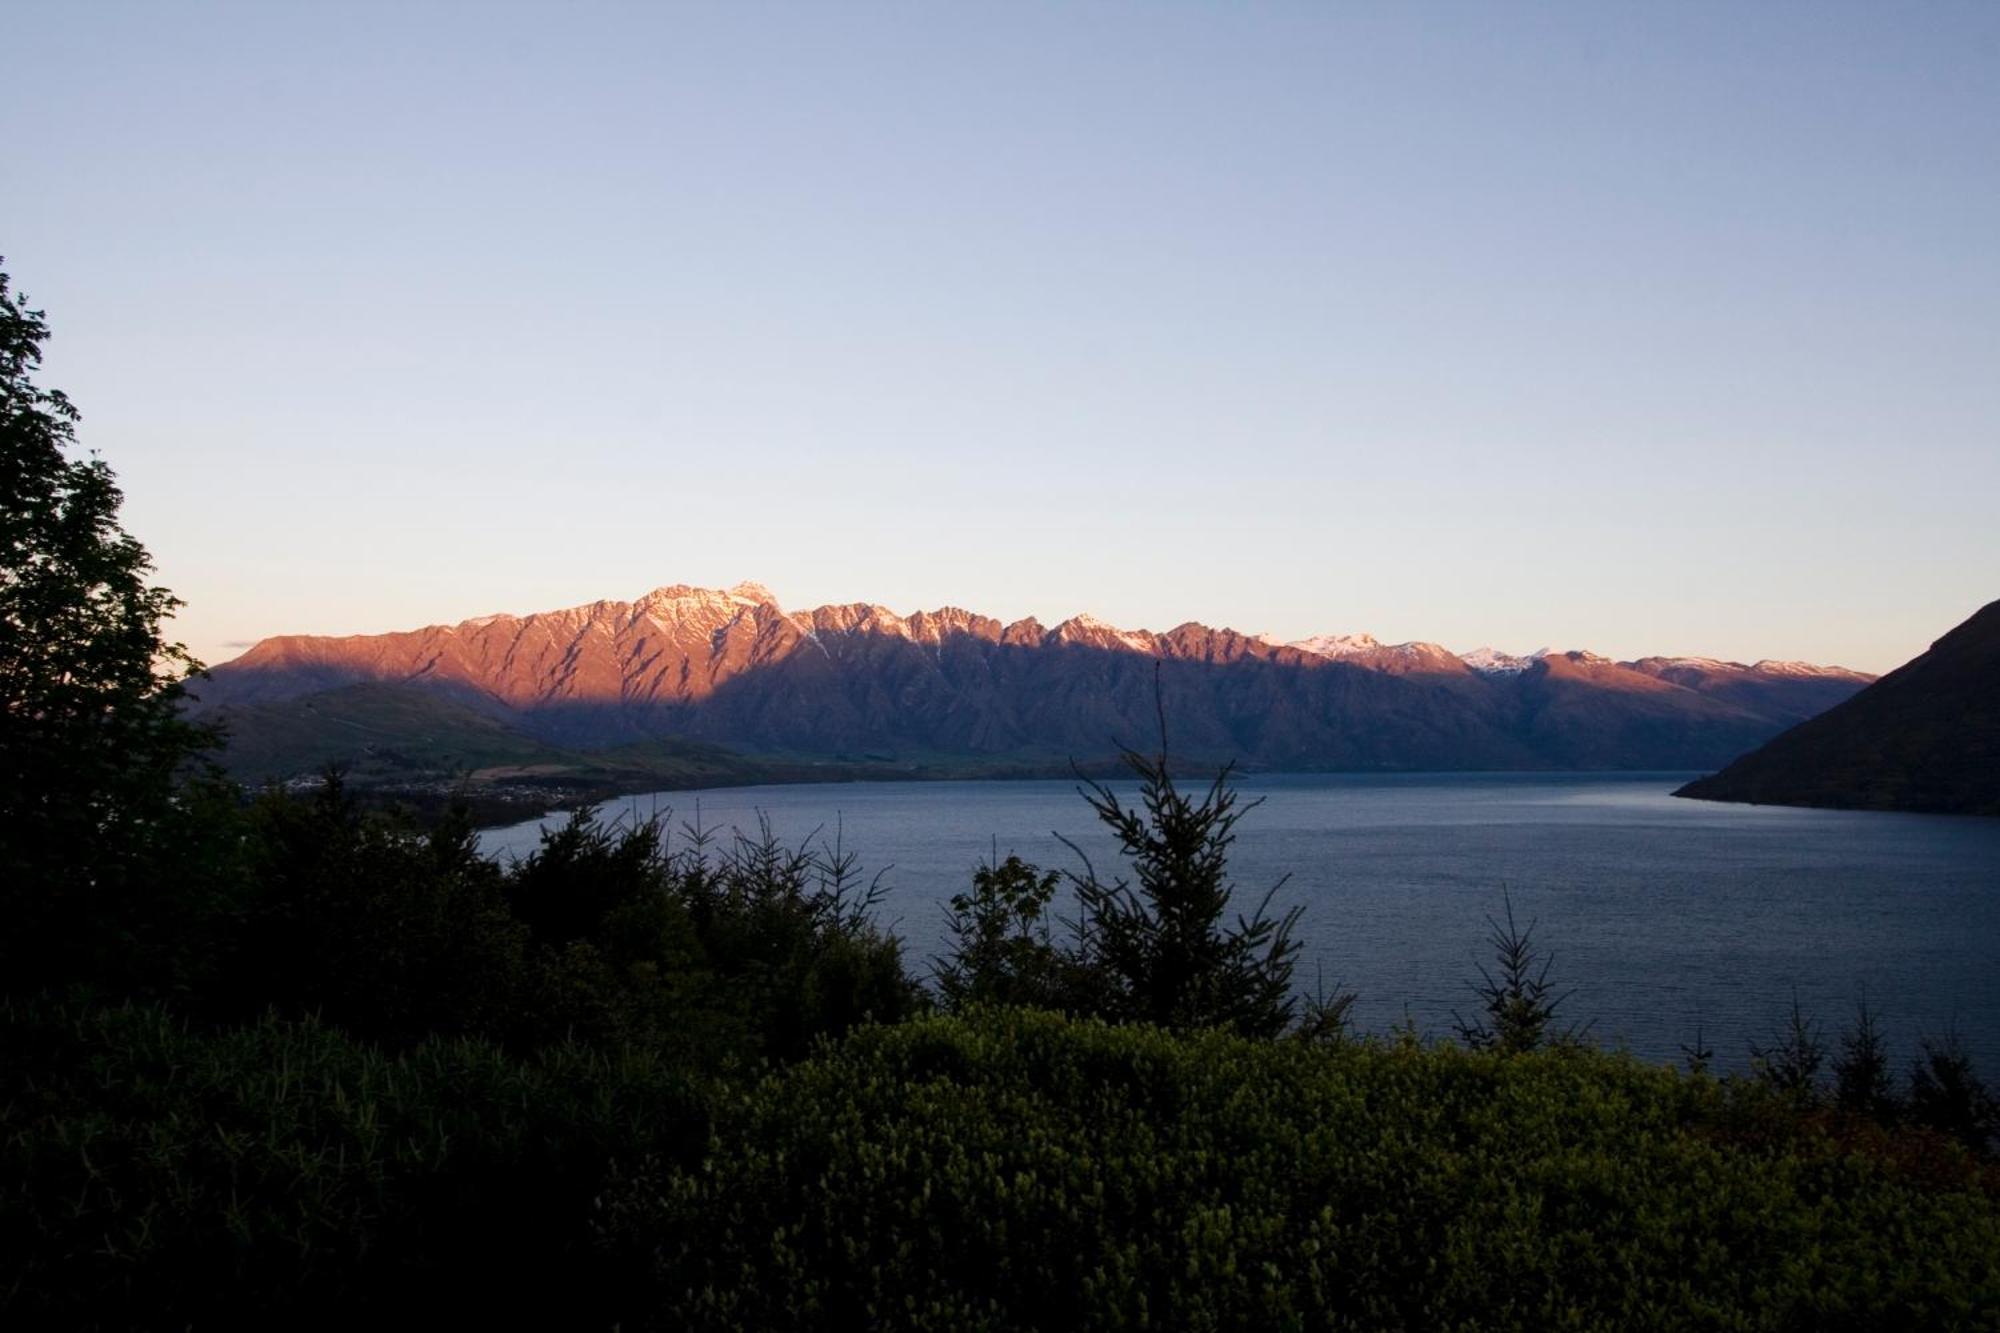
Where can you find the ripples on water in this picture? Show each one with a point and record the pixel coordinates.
(1663, 914)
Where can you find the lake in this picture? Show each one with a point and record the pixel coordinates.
(1663, 914)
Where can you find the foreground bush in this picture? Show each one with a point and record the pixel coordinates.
(720, 952)
(156, 1176)
(1021, 1171)
(1007, 1170)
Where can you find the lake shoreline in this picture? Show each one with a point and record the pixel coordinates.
(1667, 914)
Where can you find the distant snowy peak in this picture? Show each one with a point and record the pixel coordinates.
(1678, 668)
(1368, 651)
(1089, 630)
(1337, 645)
(1771, 667)
(1682, 668)
(1493, 662)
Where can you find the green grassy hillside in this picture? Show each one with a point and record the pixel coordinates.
(415, 744)
(377, 728)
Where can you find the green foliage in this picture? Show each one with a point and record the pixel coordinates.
(282, 1175)
(1519, 1003)
(585, 872)
(601, 934)
(1325, 1016)
(389, 933)
(789, 937)
(90, 734)
(1016, 1170)
(1161, 950)
(1002, 948)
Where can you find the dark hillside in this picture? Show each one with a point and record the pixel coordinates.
(1925, 737)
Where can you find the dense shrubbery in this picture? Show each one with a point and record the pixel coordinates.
(1022, 1171)
(153, 1174)
(1009, 1169)
(601, 934)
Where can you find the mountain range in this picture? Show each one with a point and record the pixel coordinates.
(1924, 737)
(733, 671)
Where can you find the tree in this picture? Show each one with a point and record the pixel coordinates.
(91, 735)
(1947, 1095)
(1520, 1003)
(1162, 948)
(1791, 1063)
(1698, 1054)
(1002, 950)
(1861, 1079)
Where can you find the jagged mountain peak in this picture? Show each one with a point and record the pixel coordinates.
(1084, 628)
(743, 594)
(1366, 650)
(731, 666)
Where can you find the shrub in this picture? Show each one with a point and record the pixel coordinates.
(1002, 947)
(155, 1175)
(392, 934)
(788, 935)
(1015, 1170)
(601, 934)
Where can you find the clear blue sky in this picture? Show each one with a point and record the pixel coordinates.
(1641, 327)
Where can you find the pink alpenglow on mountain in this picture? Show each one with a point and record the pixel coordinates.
(734, 668)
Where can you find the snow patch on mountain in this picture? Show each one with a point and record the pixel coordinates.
(1337, 645)
(1773, 667)
(1492, 662)
(1088, 627)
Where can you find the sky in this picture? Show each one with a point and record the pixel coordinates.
(1644, 328)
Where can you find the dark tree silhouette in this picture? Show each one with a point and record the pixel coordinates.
(1520, 1005)
(1947, 1095)
(90, 731)
(1161, 945)
(1794, 1057)
(1861, 1079)
(1002, 946)
(1697, 1054)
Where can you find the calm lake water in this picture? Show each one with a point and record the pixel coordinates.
(1663, 914)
